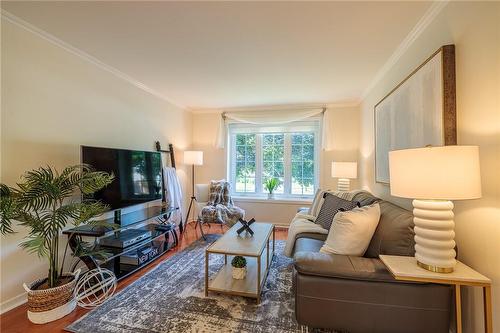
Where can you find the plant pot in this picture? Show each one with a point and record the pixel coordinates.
(239, 273)
(270, 195)
(46, 305)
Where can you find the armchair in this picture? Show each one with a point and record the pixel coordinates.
(219, 212)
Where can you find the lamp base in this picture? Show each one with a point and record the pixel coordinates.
(435, 268)
(434, 235)
(343, 184)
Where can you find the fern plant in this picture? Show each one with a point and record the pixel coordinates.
(271, 184)
(46, 201)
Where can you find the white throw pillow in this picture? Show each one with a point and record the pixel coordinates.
(352, 231)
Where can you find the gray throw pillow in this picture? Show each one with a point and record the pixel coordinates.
(331, 206)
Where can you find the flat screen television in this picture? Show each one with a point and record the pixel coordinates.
(137, 175)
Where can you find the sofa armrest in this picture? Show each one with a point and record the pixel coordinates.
(341, 266)
(303, 210)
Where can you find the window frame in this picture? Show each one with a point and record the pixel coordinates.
(288, 129)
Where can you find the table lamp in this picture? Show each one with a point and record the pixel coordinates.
(344, 171)
(433, 176)
(193, 157)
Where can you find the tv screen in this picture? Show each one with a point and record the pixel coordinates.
(137, 175)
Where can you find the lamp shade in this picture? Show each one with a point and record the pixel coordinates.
(193, 157)
(441, 173)
(345, 170)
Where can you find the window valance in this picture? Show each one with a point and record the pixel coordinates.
(274, 117)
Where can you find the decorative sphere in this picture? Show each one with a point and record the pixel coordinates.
(94, 287)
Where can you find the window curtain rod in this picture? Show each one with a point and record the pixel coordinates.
(274, 117)
(223, 114)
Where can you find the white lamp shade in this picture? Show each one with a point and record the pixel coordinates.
(193, 157)
(440, 173)
(345, 170)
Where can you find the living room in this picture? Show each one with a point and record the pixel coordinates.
(292, 166)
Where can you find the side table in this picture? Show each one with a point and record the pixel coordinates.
(406, 269)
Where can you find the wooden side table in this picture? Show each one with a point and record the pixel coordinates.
(406, 269)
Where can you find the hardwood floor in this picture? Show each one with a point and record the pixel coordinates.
(16, 320)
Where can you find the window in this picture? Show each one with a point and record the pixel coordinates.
(245, 163)
(288, 153)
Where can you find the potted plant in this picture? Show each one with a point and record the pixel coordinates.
(45, 202)
(270, 185)
(239, 264)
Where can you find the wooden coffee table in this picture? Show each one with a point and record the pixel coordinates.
(255, 249)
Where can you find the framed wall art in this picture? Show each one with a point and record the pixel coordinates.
(419, 111)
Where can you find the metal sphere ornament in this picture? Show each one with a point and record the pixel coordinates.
(94, 287)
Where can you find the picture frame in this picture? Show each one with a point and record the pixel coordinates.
(418, 112)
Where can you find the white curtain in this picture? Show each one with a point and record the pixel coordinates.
(274, 117)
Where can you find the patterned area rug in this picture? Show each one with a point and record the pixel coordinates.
(171, 298)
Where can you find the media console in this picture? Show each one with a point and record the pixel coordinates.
(146, 234)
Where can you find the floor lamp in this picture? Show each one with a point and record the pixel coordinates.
(344, 171)
(193, 157)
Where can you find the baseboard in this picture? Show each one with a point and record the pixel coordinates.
(14, 302)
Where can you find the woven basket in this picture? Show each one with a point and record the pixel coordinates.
(46, 305)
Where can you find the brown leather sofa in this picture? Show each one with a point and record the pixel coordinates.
(358, 294)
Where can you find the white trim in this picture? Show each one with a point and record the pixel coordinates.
(417, 30)
(280, 107)
(284, 201)
(14, 302)
(83, 55)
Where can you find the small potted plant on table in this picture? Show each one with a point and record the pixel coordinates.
(239, 264)
(270, 185)
(44, 202)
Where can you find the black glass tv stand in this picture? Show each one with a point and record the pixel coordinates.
(155, 237)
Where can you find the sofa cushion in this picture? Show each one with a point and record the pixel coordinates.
(365, 198)
(394, 234)
(314, 263)
(331, 206)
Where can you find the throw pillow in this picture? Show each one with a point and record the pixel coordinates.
(317, 202)
(352, 231)
(215, 192)
(330, 207)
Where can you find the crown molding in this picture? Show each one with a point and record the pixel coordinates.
(277, 107)
(83, 55)
(417, 30)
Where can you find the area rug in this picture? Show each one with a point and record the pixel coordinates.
(171, 299)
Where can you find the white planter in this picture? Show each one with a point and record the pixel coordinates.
(270, 195)
(46, 305)
(239, 273)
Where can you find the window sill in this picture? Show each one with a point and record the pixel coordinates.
(283, 201)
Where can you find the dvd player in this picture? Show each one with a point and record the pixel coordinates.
(125, 238)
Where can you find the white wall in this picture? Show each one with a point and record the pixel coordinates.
(346, 135)
(53, 102)
(474, 28)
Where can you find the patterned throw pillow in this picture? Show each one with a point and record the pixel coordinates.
(215, 192)
(331, 206)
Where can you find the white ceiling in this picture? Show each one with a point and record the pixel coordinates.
(234, 54)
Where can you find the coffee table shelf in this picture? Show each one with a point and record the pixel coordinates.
(223, 281)
(256, 249)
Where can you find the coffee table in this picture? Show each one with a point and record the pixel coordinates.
(255, 249)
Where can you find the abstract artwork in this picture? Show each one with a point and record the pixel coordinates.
(419, 111)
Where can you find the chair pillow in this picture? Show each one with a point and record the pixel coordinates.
(352, 231)
(330, 207)
(215, 192)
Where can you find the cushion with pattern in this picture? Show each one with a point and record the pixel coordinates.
(331, 206)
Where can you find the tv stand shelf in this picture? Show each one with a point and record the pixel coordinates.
(123, 261)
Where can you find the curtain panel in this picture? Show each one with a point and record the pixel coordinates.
(275, 117)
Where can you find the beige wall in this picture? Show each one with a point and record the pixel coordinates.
(474, 28)
(345, 148)
(53, 102)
